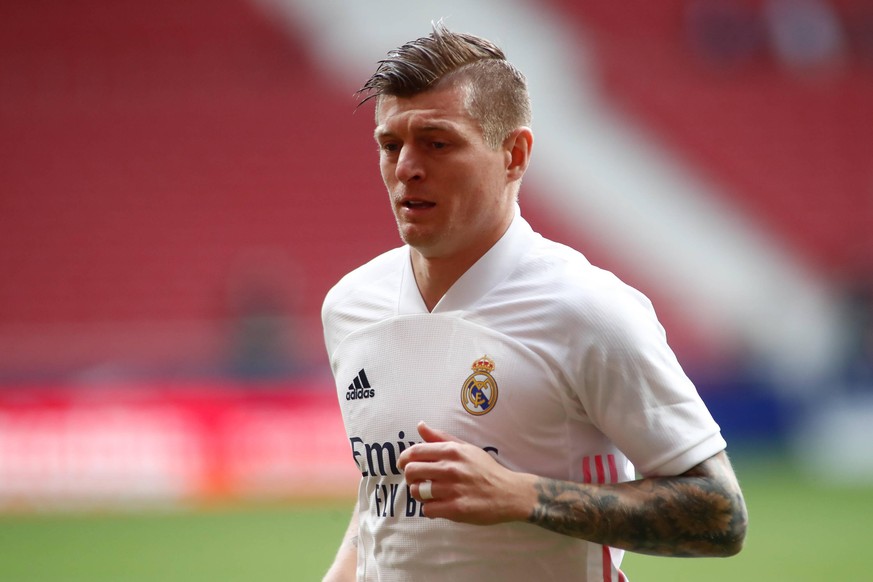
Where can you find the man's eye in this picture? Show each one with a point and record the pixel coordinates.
(438, 145)
(390, 147)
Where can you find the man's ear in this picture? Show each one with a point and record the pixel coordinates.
(518, 146)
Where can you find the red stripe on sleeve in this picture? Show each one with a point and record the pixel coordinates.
(613, 470)
(601, 473)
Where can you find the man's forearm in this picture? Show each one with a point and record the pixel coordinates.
(698, 513)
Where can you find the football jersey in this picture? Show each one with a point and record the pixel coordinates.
(551, 365)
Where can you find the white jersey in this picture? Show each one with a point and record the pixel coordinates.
(553, 366)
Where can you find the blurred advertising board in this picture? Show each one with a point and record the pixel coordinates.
(154, 445)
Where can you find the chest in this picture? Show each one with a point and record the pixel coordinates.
(468, 380)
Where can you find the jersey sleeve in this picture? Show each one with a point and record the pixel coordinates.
(633, 388)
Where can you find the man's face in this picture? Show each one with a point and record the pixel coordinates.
(448, 189)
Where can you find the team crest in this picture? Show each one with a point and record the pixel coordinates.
(479, 393)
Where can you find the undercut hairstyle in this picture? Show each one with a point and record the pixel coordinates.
(496, 91)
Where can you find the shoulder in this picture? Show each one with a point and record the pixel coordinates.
(579, 289)
(365, 294)
(563, 307)
(370, 276)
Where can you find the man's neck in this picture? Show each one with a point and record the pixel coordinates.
(435, 276)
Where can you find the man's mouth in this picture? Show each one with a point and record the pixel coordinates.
(417, 204)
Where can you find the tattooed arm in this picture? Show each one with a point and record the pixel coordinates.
(698, 513)
(345, 564)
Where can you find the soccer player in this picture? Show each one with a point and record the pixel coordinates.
(499, 392)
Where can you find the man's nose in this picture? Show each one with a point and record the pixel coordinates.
(409, 165)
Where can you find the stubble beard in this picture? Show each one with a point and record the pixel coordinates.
(425, 240)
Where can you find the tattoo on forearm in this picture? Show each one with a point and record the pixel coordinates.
(688, 515)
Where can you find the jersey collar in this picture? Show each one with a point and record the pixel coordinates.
(492, 268)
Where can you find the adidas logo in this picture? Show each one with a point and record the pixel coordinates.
(360, 388)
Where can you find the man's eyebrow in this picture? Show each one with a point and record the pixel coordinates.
(442, 127)
(381, 131)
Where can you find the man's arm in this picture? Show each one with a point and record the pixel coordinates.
(345, 563)
(698, 513)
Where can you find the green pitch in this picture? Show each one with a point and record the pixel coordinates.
(799, 531)
(286, 542)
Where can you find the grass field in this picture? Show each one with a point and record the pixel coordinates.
(799, 531)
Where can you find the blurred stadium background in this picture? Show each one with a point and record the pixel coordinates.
(181, 182)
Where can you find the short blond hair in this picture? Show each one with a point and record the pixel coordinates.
(497, 94)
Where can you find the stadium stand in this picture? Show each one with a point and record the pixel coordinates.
(155, 155)
(794, 144)
(162, 157)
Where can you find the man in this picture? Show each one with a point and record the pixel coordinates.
(498, 391)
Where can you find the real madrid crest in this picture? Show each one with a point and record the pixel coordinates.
(479, 393)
